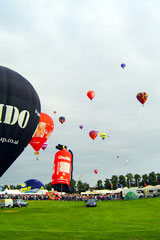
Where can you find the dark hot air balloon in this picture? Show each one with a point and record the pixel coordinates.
(19, 115)
(81, 126)
(62, 120)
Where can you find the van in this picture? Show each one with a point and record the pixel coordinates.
(6, 203)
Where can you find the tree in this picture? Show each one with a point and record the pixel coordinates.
(107, 184)
(152, 178)
(82, 187)
(114, 181)
(122, 181)
(137, 178)
(129, 178)
(73, 186)
(99, 184)
(158, 178)
(48, 186)
(144, 179)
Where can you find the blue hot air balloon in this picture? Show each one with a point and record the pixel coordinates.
(123, 65)
(32, 185)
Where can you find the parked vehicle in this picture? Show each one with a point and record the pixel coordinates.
(6, 203)
(19, 203)
(91, 203)
(138, 191)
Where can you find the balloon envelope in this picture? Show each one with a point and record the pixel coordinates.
(91, 94)
(95, 171)
(43, 131)
(93, 134)
(62, 120)
(19, 115)
(81, 126)
(123, 65)
(103, 135)
(45, 145)
(142, 97)
(32, 185)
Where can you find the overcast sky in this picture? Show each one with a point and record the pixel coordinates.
(65, 48)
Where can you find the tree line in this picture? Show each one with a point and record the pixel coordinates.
(128, 180)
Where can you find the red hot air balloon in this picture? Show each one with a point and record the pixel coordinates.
(95, 171)
(43, 132)
(142, 97)
(93, 134)
(91, 94)
(63, 168)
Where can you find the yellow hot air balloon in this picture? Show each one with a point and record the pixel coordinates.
(103, 135)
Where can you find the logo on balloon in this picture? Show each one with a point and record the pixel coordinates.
(12, 115)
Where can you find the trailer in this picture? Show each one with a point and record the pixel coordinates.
(6, 203)
(138, 191)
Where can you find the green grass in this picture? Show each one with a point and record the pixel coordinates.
(136, 219)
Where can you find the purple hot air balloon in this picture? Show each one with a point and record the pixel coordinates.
(44, 146)
(81, 126)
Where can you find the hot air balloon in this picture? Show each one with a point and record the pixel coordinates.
(103, 135)
(32, 185)
(93, 134)
(43, 132)
(95, 171)
(62, 120)
(54, 112)
(63, 168)
(81, 126)
(142, 97)
(19, 115)
(123, 65)
(91, 94)
(44, 146)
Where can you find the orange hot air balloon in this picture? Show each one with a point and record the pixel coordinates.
(91, 94)
(142, 97)
(43, 131)
(95, 171)
(93, 134)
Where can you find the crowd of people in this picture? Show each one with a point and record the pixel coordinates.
(63, 197)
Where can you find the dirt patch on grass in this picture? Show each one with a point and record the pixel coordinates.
(11, 211)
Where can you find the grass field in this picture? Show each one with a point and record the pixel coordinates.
(134, 219)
